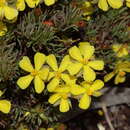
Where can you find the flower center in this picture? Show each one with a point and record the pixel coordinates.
(34, 73)
(89, 92)
(122, 73)
(84, 61)
(58, 74)
(64, 95)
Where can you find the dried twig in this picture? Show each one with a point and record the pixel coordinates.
(107, 116)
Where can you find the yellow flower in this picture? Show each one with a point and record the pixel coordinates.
(100, 112)
(103, 4)
(61, 98)
(3, 29)
(119, 72)
(1, 93)
(70, 81)
(83, 59)
(6, 11)
(63, 92)
(128, 3)
(5, 106)
(56, 75)
(86, 91)
(87, 8)
(50, 129)
(20, 4)
(49, 2)
(27, 114)
(39, 74)
(120, 49)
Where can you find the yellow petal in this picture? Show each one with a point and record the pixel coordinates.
(1, 93)
(64, 63)
(77, 90)
(126, 70)
(86, 50)
(24, 82)
(39, 60)
(84, 102)
(43, 73)
(20, 4)
(52, 62)
(50, 129)
(68, 79)
(53, 84)
(10, 13)
(74, 68)
(62, 89)
(97, 64)
(25, 64)
(85, 43)
(37, 2)
(1, 13)
(116, 47)
(119, 79)
(102, 4)
(64, 105)
(32, 3)
(85, 85)
(125, 51)
(38, 84)
(3, 29)
(123, 66)
(88, 74)
(54, 98)
(50, 76)
(49, 2)
(109, 76)
(87, 8)
(5, 106)
(98, 84)
(128, 4)
(97, 94)
(115, 4)
(75, 53)
(120, 54)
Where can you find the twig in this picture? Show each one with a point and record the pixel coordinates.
(107, 116)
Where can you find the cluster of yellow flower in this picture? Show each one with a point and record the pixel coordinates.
(115, 4)
(9, 10)
(75, 76)
(88, 6)
(122, 67)
(79, 66)
(61, 80)
(120, 71)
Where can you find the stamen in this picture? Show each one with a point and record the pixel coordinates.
(34, 73)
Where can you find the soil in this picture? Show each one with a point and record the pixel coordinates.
(119, 117)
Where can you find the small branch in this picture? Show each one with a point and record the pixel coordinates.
(107, 116)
